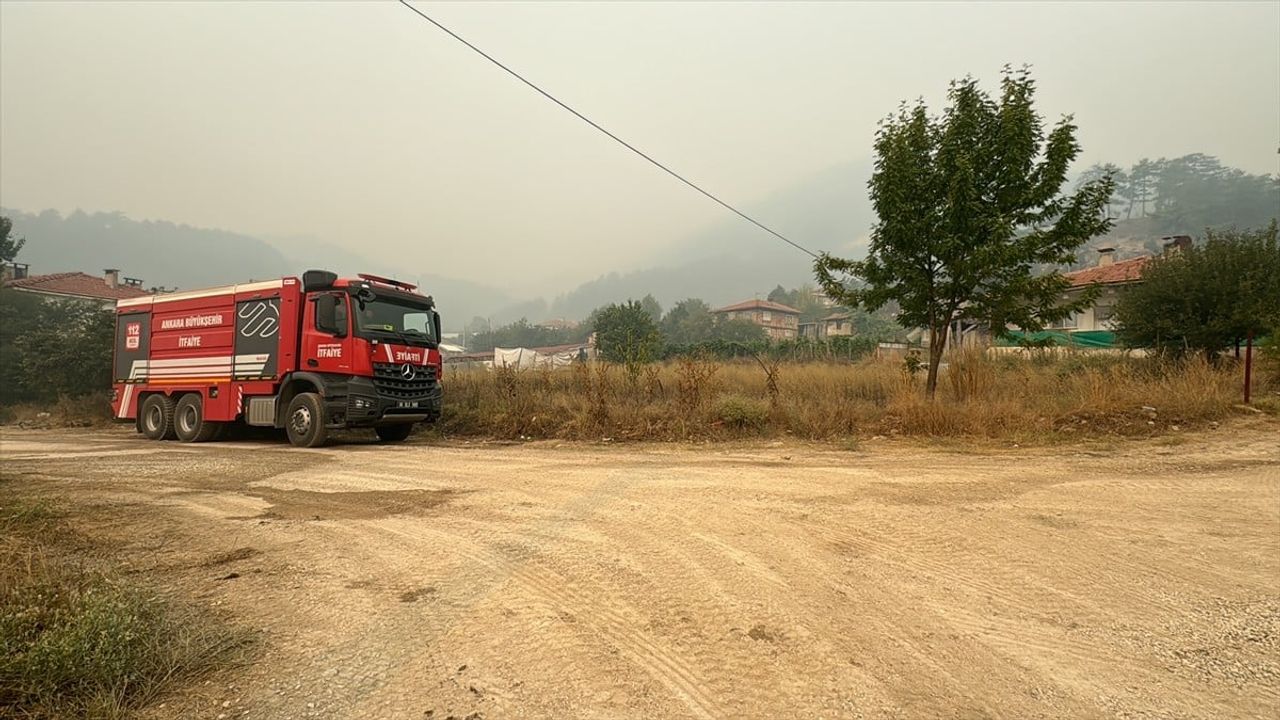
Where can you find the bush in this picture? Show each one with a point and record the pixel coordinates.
(52, 348)
(77, 642)
(742, 413)
(1206, 298)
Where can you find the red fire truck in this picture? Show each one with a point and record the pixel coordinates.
(305, 355)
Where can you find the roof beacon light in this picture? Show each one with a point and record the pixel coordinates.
(387, 281)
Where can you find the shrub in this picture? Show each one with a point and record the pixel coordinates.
(76, 641)
(742, 413)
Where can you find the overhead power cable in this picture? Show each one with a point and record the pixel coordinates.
(617, 139)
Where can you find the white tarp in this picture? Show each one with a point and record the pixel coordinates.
(524, 358)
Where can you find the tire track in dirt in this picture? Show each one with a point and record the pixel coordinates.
(612, 619)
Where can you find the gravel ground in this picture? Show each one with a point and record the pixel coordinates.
(766, 580)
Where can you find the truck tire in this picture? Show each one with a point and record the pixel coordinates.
(393, 433)
(305, 421)
(189, 422)
(156, 417)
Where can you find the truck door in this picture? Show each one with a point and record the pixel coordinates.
(326, 334)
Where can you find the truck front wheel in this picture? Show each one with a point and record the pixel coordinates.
(189, 422)
(305, 421)
(393, 433)
(157, 417)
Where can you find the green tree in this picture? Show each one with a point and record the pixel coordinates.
(1097, 172)
(805, 299)
(1197, 191)
(968, 204)
(523, 333)
(627, 334)
(53, 348)
(687, 322)
(1206, 298)
(652, 306)
(9, 246)
(738, 331)
(1141, 190)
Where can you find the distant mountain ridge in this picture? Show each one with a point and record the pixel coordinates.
(728, 261)
(166, 254)
(734, 260)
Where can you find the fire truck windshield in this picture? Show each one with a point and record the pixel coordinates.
(402, 318)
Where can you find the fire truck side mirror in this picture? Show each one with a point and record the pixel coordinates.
(331, 314)
(313, 280)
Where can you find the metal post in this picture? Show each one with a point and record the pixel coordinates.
(1248, 365)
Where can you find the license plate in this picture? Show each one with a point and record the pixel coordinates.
(407, 403)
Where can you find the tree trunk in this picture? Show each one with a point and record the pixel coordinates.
(937, 343)
(1248, 367)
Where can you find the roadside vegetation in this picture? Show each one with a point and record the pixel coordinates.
(78, 640)
(1040, 396)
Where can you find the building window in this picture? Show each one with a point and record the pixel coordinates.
(765, 316)
(1070, 322)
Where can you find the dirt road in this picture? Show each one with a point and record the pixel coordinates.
(1141, 580)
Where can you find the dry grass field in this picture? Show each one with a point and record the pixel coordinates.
(1052, 398)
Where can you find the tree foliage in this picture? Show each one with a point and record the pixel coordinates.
(626, 334)
(968, 204)
(688, 321)
(805, 299)
(50, 349)
(652, 306)
(1206, 298)
(1186, 195)
(9, 245)
(522, 333)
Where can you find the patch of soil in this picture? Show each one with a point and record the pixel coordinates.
(361, 505)
(417, 594)
(243, 553)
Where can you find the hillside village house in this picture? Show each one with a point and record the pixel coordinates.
(77, 286)
(780, 321)
(833, 325)
(1113, 276)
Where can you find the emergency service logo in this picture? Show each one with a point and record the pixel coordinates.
(260, 319)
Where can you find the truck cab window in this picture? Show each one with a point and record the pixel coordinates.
(418, 322)
(331, 314)
(402, 318)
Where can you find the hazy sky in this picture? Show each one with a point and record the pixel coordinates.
(363, 126)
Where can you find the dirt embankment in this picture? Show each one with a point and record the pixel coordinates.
(1138, 580)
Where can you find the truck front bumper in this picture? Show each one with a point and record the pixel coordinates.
(364, 406)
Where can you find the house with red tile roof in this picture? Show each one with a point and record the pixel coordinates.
(780, 321)
(1112, 277)
(105, 289)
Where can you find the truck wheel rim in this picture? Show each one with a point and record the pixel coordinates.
(189, 419)
(301, 421)
(153, 418)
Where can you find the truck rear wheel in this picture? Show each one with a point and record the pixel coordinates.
(189, 422)
(156, 418)
(305, 421)
(393, 433)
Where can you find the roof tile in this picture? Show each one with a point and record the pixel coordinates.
(75, 283)
(758, 305)
(1122, 271)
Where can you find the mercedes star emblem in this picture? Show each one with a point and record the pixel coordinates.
(407, 372)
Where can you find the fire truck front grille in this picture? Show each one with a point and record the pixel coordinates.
(391, 382)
